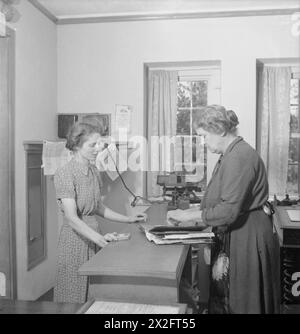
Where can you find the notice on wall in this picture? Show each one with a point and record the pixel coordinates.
(123, 117)
(55, 155)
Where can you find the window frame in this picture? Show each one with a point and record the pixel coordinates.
(212, 75)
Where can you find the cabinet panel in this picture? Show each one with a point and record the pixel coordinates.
(36, 192)
(35, 204)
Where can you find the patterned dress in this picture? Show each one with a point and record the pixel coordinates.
(82, 183)
(244, 261)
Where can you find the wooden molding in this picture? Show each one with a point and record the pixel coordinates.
(43, 10)
(165, 16)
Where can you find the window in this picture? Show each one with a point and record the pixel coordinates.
(197, 87)
(293, 179)
(190, 150)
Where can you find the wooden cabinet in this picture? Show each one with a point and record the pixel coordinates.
(289, 240)
(35, 204)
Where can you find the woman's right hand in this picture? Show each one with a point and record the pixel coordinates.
(101, 241)
(111, 236)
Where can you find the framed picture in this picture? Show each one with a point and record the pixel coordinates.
(101, 121)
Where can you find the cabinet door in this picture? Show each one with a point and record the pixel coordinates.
(36, 233)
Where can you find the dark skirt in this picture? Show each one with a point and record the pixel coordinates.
(245, 276)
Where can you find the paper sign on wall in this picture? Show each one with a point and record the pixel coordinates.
(123, 117)
(54, 156)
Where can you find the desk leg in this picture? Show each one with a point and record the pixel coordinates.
(188, 292)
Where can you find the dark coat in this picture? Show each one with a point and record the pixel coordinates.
(232, 204)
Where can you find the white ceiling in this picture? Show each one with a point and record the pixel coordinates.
(72, 9)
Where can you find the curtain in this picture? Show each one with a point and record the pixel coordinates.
(162, 107)
(273, 124)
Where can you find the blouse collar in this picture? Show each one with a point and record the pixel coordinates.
(231, 146)
(83, 168)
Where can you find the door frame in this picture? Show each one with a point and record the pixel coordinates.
(11, 284)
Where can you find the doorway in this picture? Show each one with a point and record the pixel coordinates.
(7, 170)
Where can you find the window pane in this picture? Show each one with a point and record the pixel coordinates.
(189, 162)
(292, 179)
(294, 124)
(190, 156)
(184, 94)
(199, 94)
(293, 150)
(194, 113)
(183, 122)
(294, 91)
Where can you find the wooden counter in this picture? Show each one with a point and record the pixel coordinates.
(139, 271)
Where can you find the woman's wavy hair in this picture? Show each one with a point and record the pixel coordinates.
(216, 119)
(78, 135)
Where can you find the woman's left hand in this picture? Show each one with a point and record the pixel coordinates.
(137, 218)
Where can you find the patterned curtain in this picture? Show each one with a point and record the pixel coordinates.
(273, 120)
(162, 106)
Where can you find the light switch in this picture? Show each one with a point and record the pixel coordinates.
(2, 25)
(2, 285)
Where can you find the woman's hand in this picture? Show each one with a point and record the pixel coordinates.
(179, 216)
(111, 236)
(189, 217)
(137, 218)
(101, 241)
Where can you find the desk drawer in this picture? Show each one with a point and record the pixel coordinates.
(291, 237)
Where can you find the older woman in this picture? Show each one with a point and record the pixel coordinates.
(78, 191)
(244, 259)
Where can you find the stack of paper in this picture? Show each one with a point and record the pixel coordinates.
(294, 215)
(162, 234)
(105, 307)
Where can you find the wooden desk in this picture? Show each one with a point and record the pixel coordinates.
(289, 240)
(138, 270)
(32, 307)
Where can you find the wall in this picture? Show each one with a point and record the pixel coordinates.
(35, 119)
(100, 65)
